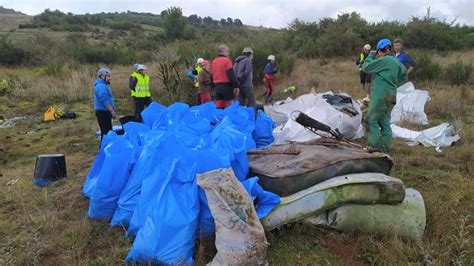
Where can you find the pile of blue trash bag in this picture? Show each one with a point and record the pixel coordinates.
(145, 180)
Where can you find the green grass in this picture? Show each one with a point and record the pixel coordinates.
(50, 225)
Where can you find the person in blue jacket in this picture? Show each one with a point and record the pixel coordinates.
(104, 105)
(402, 56)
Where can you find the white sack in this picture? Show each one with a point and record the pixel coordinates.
(410, 105)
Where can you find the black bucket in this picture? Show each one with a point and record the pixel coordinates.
(124, 120)
(49, 168)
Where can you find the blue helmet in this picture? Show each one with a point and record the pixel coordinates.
(383, 43)
(103, 72)
(135, 66)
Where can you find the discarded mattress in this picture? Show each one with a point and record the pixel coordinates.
(365, 188)
(333, 110)
(289, 168)
(407, 219)
(443, 135)
(410, 105)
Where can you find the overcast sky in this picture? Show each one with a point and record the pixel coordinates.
(268, 13)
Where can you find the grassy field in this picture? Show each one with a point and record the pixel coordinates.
(50, 226)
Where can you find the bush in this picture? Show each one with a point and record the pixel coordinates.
(106, 55)
(426, 69)
(459, 73)
(11, 55)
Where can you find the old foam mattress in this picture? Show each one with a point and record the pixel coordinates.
(364, 188)
(289, 168)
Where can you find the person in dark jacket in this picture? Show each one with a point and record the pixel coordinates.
(268, 73)
(243, 70)
(104, 105)
(226, 85)
(364, 77)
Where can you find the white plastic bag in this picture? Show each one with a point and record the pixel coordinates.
(410, 105)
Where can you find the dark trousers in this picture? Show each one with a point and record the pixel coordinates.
(140, 104)
(247, 96)
(104, 118)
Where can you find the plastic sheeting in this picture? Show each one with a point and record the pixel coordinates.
(443, 135)
(410, 105)
(318, 108)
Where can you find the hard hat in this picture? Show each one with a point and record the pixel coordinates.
(271, 57)
(200, 60)
(103, 72)
(247, 50)
(135, 66)
(367, 47)
(141, 67)
(383, 43)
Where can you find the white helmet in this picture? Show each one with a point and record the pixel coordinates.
(367, 47)
(142, 67)
(247, 50)
(271, 57)
(199, 61)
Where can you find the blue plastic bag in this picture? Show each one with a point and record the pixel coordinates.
(263, 132)
(228, 140)
(169, 232)
(264, 201)
(143, 168)
(91, 178)
(154, 112)
(167, 151)
(112, 178)
(243, 119)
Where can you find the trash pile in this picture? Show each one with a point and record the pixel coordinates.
(146, 181)
(335, 110)
(192, 172)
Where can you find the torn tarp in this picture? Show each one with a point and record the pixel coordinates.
(443, 135)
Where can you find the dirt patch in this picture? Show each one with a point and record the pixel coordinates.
(347, 250)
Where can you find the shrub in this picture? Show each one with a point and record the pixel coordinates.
(106, 55)
(11, 55)
(426, 69)
(458, 73)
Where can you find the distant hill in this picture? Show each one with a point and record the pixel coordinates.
(9, 11)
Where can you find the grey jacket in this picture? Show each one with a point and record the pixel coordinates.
(243, 71)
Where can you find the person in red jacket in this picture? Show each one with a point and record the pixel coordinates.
(226, 86)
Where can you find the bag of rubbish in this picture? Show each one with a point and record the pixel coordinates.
(263, 132)
(243, 119)
(112, 179)
(169, 231)
(228, 140)
(410, 105)
(264, 201)
(240, 238)
(167, 153)
(287, 169)
(365, 188)
(407, 219)
(91, 178)
(144, 167)
(155, 113)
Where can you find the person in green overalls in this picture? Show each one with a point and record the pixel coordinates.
(388, 74)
